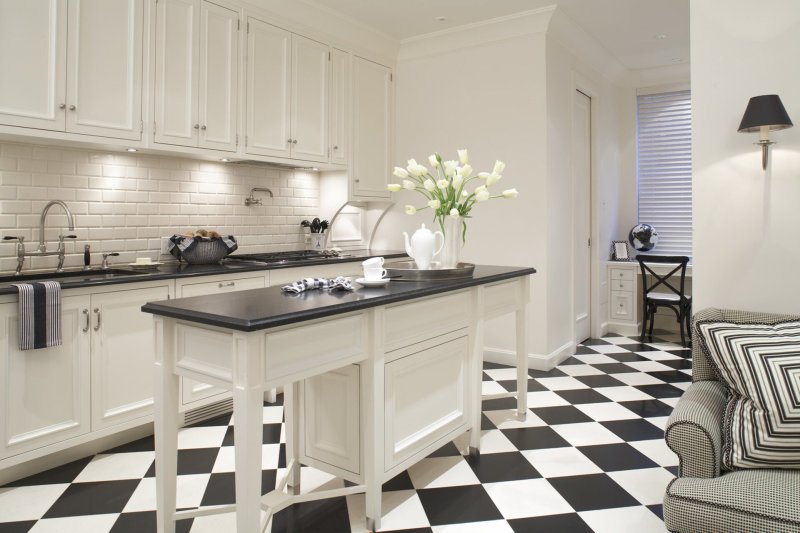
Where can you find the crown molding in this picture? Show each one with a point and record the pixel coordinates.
(503, 28)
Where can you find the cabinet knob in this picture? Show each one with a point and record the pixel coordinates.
(336, 147)
(289, 141)
(294, 141)
(197, 126)
(203, 127)
(62, 106)
(72, 107)
(356, 180)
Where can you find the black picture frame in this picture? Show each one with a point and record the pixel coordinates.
(620, 251)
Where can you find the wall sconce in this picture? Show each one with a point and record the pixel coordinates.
(765, 113)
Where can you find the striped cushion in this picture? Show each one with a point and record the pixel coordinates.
(760, 365)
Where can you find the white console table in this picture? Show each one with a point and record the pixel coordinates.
(377, 380)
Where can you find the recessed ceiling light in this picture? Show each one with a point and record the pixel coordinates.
(315, 169)
(441, 19)
(661, 36)
(132, 150)
(225, 160)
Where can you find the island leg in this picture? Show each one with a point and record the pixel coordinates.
(166, 424)
(476, 370)
(292, 415)
(522, 350)
(373, 400)
(248, 409)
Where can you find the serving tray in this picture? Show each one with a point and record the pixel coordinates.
(408, 271)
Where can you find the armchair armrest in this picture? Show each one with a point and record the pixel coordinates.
(694, 429)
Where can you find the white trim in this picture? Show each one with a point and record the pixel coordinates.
(535, 361)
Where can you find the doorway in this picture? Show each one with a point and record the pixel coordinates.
(582, 214)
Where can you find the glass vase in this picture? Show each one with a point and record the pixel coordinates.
(450, 255)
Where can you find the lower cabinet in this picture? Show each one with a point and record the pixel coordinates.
(100, 376)
(45, 393)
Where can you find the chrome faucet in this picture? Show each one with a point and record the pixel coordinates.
(252, 200)
(42, 250)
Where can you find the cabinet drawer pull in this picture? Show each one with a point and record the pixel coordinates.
(294, 141)
(97, 313)
(62, 106)
(86, 317)
(72, 107)
(202, 127)
(336, 147)
(196, 126)
(229, 284)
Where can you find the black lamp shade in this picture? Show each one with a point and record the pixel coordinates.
(765, 110)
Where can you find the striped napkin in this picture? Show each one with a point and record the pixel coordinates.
(337, 283)
(39, 314)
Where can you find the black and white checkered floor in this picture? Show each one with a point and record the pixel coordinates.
(590, 457)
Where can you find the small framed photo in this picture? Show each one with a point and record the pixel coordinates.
(619, 251)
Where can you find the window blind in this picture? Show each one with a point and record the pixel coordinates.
(664, 169)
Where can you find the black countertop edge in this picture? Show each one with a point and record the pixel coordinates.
(174, 270)
(190, 309)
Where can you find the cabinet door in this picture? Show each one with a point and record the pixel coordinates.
(122, 355)
(33, 44)
(104, 68)
(268, 79)
(219, 76)
(371, 128)
(341, 92)
(177, 58)
(309, 100)
(44, 396)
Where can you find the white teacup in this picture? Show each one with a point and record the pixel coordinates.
(143, 260)
(374, 273)
(373, 262)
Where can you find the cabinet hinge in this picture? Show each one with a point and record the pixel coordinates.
(154, 127)
(329, 55)
(238, 24)
(237, 139)
(245, 140)
(141, 126)
(590, 242)
(248, 26)
(391, 77)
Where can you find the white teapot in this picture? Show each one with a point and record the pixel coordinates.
(422, 245)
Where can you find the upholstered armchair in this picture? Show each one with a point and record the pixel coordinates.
(704, 498)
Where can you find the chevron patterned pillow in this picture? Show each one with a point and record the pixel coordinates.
(760, 364)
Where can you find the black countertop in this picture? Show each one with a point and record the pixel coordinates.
(174, 270)
(258, 309)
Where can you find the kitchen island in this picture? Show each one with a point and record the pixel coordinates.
(374, 379)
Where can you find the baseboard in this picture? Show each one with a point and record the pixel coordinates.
(536, 361)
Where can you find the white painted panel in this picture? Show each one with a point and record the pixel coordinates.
(328, 342)
(104, 66)
(199, 349)
(219, 76)
(44, 394)
(340, 103)
(371, 128)
(33, 44)
(581, 214)
(177, 42)
(332, 418)
(425, 398)
(503, 298)
(309, 101)
(420, 320)
(268, 80)
(122, 355)
(622, 306)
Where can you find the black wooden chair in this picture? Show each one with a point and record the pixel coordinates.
(668, 296)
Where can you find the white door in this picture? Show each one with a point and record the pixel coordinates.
(177, 57)
(123, 339)
(268, 79)
(372, 91)
(340, 106)
(219, 76)
(309, 99)
(44, 397)
(582, 214)
(104, 68)
(33, 47)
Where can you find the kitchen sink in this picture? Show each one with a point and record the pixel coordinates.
(73, 275)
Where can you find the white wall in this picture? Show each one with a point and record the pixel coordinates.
(125, 202)
(745, 220)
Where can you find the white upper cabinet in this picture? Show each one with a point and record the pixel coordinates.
(309, 101)
(196, 86)
(287, 94)
(372, 122)
(341, 92)
(72, 66)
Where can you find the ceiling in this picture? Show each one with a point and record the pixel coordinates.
(639, 33)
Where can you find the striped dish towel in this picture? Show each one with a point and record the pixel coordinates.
(340, 283)
(39, 314)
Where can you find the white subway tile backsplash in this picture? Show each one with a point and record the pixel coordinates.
(127, 202)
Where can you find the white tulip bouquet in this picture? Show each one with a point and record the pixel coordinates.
(446, 192)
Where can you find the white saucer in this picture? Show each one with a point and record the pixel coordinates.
(373, 282)
(145, 265)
